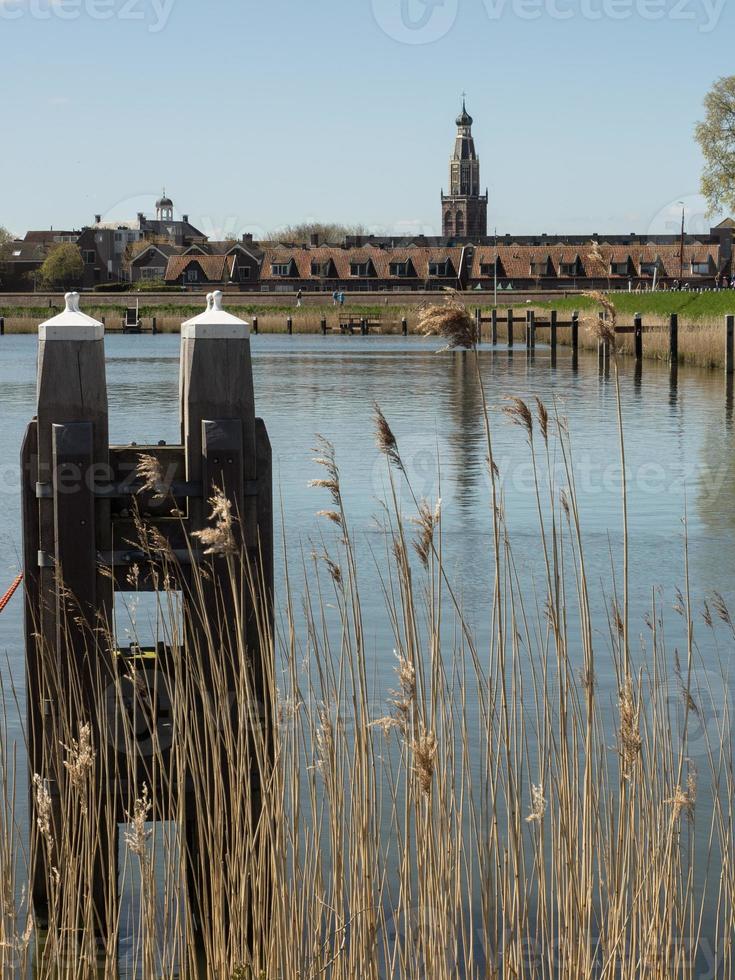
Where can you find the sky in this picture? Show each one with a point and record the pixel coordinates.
(259, 114)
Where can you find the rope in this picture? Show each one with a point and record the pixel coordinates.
(11, 592)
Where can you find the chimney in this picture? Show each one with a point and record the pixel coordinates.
(315, 239)
(185, 219)
(98, 219)
(248, 238)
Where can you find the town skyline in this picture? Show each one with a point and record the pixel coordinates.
(282, 144)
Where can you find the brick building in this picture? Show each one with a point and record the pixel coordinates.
(464, 208)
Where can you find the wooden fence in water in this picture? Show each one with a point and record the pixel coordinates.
(531, 324)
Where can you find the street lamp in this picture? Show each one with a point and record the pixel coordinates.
(681, 254)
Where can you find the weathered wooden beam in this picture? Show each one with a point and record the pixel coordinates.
(74, 599)
(674, 338)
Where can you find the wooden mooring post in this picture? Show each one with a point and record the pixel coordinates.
(323, 326)
(289, 325)
(2, 326)
(575, 332)
(404, 327)
(255, 325)
(552, 331)
(638, 336)
(494, 327)
(530, 330)
(80, 497)
(674, 338)
(510, 327)
(730, 346)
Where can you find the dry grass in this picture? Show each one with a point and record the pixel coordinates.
(701, 342)
(492, 816)
(305, 320)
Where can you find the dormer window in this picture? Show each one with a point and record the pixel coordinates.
(359, 268)
(401, 269)
(439, 268)
(280, 268)
(620, 268)
(700, 268)
(318, 269)
(649, 268)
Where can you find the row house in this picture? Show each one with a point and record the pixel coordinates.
(324, 268)
(225, 265)
(601, 264)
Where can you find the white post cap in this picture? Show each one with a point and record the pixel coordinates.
(72, 324)
(215, 323)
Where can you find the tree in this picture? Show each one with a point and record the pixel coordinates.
(5, 239)
(63, 267)
(716, 137)
(327, 231)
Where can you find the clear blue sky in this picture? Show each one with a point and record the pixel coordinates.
(256, 114)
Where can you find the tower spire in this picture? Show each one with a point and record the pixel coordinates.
(464, 209)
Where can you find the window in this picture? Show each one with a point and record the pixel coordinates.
(400, 269)
(192, 275)
(318, 269)
(487, 268)
(152, 272)
(439, 268)
(568, 269)
(648, 268)
(359, 268)
(244, 272)
(700, 268)
(539, 268)
(90, 257)
(280, 268)
(16, 254)
(620, 268)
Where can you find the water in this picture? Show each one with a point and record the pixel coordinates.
(679, 448)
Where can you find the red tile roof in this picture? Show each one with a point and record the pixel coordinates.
(516, 260)
(216, 268)
(343, 258)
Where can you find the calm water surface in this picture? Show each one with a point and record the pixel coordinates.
(679, 446)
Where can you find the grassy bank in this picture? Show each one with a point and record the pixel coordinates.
(701, 342)
(690, 306)
(493, 814)
(270, 319)
(702, 324)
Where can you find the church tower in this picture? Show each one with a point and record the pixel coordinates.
(464, 209)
